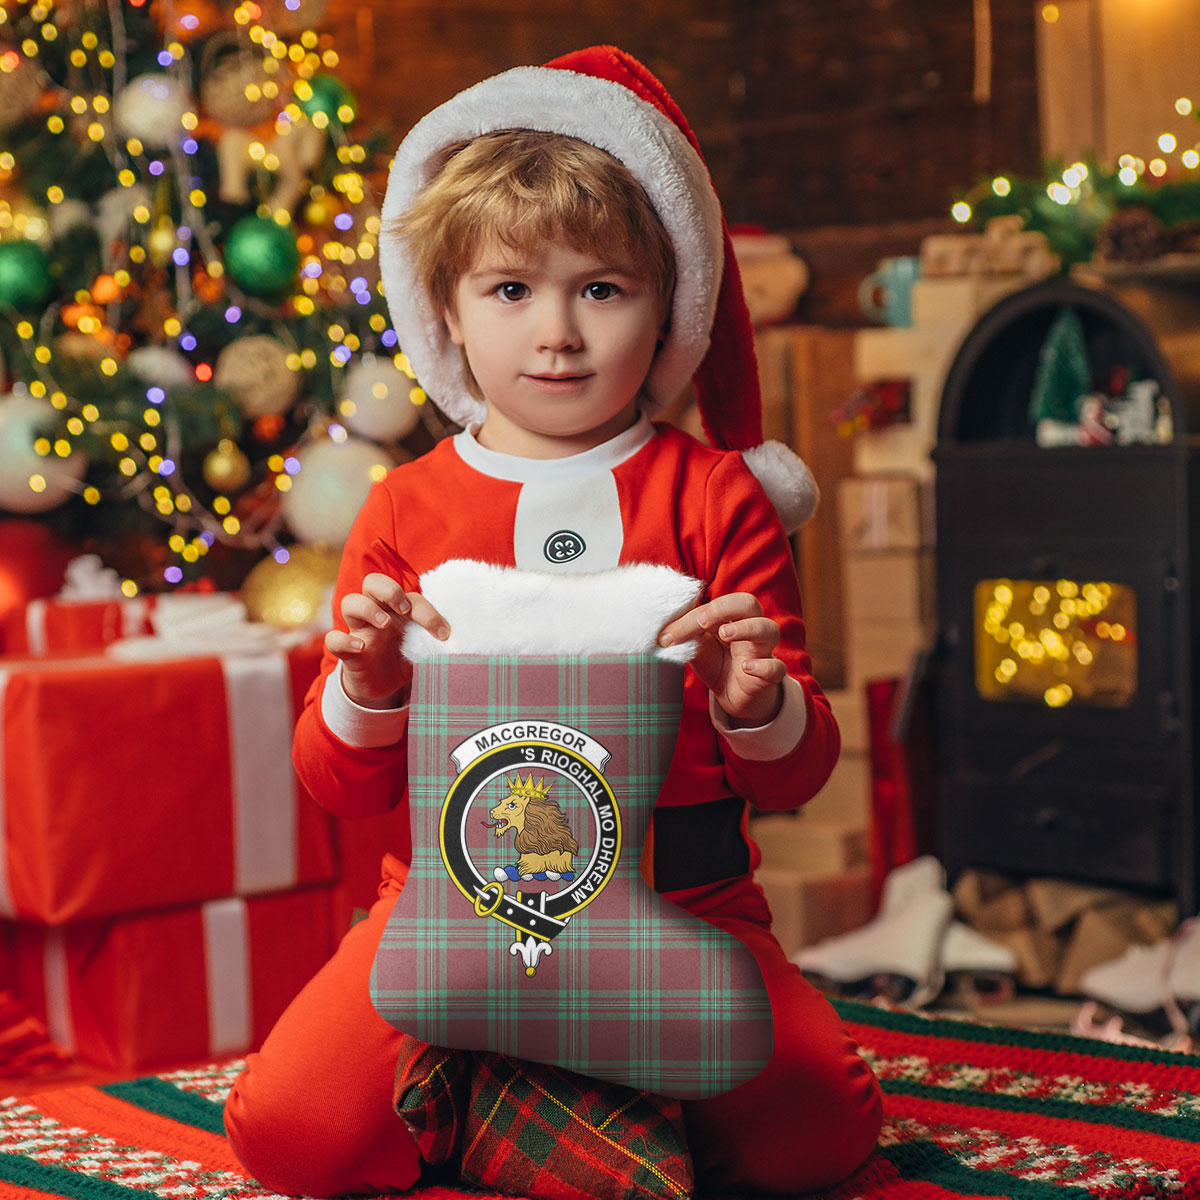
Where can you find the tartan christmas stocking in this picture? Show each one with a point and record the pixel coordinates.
(525, 927)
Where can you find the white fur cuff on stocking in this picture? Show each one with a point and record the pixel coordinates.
(504, 610)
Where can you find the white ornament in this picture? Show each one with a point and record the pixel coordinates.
(255, 370)
(151, 108)
(330, 488)
(162, 366)
(66, 215)
(23, 419)
(375, 400)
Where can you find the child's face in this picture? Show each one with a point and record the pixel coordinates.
(559, 342)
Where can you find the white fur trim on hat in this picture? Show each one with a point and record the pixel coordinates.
(604, 114)
(786, 479)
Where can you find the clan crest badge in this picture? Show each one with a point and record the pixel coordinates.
(554, 833)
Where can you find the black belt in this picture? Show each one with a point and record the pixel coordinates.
(696, 844)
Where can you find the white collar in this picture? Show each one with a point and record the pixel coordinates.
(514, 469)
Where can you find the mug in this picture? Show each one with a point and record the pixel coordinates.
(886, 294)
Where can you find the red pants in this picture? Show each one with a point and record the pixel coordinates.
(312, 1112)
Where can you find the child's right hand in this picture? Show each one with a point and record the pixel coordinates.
(374, 674)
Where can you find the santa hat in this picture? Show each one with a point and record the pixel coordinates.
(607, 98)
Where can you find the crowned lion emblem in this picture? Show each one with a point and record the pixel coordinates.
(544, 842)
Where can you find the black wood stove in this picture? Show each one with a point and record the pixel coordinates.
(1068, 660)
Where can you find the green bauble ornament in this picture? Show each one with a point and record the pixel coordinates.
(262, 255)
(328, 95)
(24, 275)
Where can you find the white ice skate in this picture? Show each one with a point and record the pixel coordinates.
(980, 966)
(898, 953)
(1157, 987)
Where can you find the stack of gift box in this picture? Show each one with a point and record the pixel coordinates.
(886, 523)
(822, 869)
(166, 883)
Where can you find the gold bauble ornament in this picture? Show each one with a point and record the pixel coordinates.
(226, 468)
(237, 89)
(255, 370)
(295, 593)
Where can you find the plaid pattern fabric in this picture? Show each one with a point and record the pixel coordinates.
(528, 1129)
(432, 1087)
(633, 989)
(533, 1130)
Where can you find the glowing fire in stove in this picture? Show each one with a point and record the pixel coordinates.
(1056, 641)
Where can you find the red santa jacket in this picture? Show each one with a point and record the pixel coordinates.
(651, 495)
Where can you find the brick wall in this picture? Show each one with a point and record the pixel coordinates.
(810, 113)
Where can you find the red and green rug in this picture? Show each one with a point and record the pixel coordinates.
(972, 1110)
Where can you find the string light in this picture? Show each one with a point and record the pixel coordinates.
(1046, 639)
(138, 442)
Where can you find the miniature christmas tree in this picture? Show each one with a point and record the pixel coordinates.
(1063, 375)
(194, 345)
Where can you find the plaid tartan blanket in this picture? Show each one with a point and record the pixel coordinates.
(553, 948)
(971, 1111)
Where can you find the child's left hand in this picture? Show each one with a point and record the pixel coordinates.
(735, 655)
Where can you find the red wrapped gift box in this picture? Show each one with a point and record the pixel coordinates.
(48, 626)
(173, 987)
(130, 786)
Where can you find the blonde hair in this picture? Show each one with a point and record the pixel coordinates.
(521, 188)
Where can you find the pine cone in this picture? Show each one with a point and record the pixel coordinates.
(1132, 234)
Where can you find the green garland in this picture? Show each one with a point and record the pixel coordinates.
(1071, 228)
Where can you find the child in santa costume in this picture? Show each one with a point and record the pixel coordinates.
(552, 300)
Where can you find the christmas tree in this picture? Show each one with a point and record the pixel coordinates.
(196, 357)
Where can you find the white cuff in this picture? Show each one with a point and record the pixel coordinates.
(765, 743)
(356, 725)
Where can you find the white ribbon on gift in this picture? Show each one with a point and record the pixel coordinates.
(56, 980)
(258, 695)
(227, 978)
(227, 975)
(35, 626)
